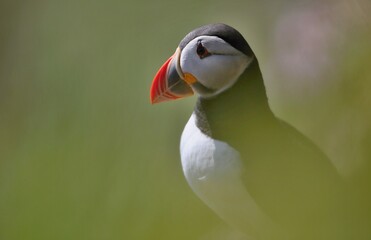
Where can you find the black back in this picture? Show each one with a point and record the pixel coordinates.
(286, 174)
(284, 171)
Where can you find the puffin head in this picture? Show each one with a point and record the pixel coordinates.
(208, 61)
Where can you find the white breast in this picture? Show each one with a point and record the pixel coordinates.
(213, 169)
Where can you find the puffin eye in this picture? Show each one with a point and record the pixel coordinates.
(201, 50)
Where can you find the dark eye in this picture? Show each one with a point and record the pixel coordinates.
(201, 50)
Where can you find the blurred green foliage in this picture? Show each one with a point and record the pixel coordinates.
(83, 155)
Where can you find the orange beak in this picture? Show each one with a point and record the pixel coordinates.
(168, 84)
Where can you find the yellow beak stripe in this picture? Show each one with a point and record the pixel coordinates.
(189, 78)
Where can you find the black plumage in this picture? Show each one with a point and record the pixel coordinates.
(223, 31)
(288, 176)
(279, 185)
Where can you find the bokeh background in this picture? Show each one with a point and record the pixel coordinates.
(83, 155)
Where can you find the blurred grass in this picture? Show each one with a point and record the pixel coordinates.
(83, 155)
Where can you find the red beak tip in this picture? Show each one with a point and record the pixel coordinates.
(160, 91)
(155, 96)
(159, 87)
(158, 99)
(153, 101)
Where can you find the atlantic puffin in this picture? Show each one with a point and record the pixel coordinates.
(257, 172)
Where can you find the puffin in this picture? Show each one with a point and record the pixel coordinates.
(254, 170)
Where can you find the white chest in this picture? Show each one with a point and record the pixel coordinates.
(213, 170)
(204, 159)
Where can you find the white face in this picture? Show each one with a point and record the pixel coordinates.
(218, 69)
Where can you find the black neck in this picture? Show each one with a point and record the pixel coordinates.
(244, 104)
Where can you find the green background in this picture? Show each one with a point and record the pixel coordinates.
(83, 154)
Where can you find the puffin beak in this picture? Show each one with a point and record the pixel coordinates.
(168, 83)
